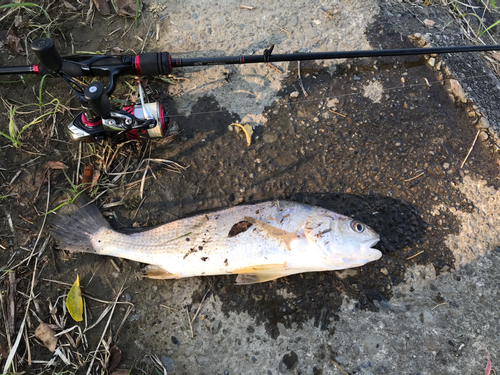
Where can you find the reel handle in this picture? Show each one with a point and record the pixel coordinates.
(97, 99)
(46, 51)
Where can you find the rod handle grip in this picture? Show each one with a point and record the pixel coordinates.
(46, 51)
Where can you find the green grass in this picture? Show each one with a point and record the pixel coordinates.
(14, 135)
(73, 192)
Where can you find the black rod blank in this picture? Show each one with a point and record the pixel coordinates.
(199, 61)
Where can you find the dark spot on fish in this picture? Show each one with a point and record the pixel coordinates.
(187, 239)
(225, 262)
(200, 247)
(239, 227)
(204, 258)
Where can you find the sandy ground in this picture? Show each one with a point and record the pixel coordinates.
(391, 159)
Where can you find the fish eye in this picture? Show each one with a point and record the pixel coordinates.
(357, 226)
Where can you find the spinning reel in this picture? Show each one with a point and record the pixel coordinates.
(99, 119)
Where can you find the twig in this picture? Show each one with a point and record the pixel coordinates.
(417, 176)
(140, 204)
(171, 308)
(189, 322)
(413, 256)
(44, 218)
(340, 114)
(441, 304)
(338, 366)
(300, 81)
(104, 331)
(470, 150)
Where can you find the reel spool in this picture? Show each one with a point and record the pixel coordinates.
(156, 111)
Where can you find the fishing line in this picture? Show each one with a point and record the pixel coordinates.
(316, 100)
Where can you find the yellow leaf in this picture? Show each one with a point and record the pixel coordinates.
(247, 129)
(74, 301)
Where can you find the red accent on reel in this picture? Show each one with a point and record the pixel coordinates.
(129, 109)
(132, 135)
(90, 124)
(35, 69)
(162, 119)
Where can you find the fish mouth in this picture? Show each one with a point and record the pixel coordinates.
(367, 248)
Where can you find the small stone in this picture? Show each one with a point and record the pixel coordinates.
(175, 340)
(438, 65)
(315, 119)
(168, 363)
(294, 94)
(384, 271)
(483, 136)
(194, 15)
(446, 165)
(218, 21)
(134, 317)
(269, 138)
(471, 113)
(254, 359)
(332, 103)
(356, 78)
(187, 26)
(483, 123)
(431, 61)
(454, 87)
(202, 360)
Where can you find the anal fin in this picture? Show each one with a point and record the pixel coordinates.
(260, 273)
(156, 272)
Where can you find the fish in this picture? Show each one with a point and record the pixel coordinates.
(256, 242)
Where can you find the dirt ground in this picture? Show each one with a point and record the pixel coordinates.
(380, 140)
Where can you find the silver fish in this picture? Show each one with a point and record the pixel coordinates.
(258, 242)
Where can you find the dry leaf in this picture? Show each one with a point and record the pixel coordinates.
(117, 49)
(55, 165)
(103, 7)
(115, 356)
(247, 129)
(126, 8)
(88, 173)
(69, 6)
(496, 56)
(95, 178)
(429, 23)
(46, 335)
(74, 301)
(10, 39)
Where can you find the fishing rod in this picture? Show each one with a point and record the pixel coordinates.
(98, 119)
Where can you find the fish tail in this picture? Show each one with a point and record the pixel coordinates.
(73, 231)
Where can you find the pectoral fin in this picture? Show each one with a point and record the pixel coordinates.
(260, 273)
(278, 234)
(156, 272)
